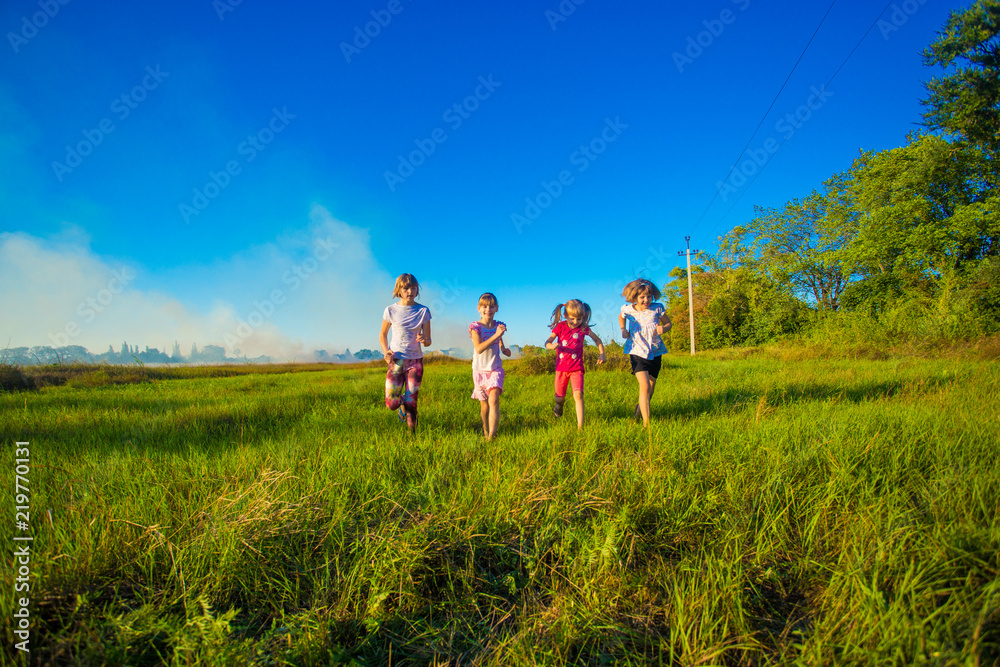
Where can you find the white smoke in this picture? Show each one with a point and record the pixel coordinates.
(319, 288)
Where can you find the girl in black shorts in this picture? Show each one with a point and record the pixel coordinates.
(643, 321)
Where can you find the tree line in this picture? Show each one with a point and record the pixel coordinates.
(904, 242)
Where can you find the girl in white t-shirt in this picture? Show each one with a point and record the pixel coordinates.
(487, 367)
(643, 321)
(410, 323)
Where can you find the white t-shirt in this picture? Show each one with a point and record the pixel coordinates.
(406, 323)
(643, 341)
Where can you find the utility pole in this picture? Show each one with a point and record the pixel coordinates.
(687, 253)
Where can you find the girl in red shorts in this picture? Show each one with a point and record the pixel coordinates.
(567, 339)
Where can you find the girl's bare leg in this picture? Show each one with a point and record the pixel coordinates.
(493, 413)
(645, 393)
(484, 414)
(578, 398)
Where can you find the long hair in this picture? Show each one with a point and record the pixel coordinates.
(573, 308)
(403, 281)
(640, 286)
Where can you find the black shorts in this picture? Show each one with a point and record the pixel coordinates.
(651, 366)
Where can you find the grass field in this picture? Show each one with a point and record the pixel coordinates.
(811, 511)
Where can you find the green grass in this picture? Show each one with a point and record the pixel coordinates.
(815, 511)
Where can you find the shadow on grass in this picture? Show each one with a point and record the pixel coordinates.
(735, 399)
(165, 426)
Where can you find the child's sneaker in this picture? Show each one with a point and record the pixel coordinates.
(557, 409)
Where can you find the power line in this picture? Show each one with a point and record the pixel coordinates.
(787, 136)
(764, 117)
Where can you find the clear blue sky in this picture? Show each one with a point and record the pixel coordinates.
(230, 174)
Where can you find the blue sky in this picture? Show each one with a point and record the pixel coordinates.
(254, 177)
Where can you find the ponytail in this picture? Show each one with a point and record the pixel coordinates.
(556, 315)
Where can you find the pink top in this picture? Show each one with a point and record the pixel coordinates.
(569, 353)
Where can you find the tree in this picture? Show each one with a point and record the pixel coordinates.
(212, 354)
(928, 227)
(799, 245)
(675, 296)
(927, 210)
(966, 102)
(745, 305)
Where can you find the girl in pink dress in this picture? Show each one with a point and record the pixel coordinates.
(487, 367)
(567, 339)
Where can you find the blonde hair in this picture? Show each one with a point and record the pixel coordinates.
(490, 299)
(573, 308)
(640, 286)
(403, 281)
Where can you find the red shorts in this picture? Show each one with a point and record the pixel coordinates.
(563, 378)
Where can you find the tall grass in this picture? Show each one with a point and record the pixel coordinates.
(915, 325)
(816, 511)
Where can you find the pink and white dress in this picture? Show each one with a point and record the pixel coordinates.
(487, 367)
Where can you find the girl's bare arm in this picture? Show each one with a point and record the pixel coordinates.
(383, 340)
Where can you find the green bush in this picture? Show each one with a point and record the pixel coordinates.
(12, 378)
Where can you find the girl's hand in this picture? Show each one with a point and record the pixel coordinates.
(388, 358)
(501, 329)
(420, 335)
(551, 345)
(659, 329)
(601, 358)
(624, 333)
(505, 351)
